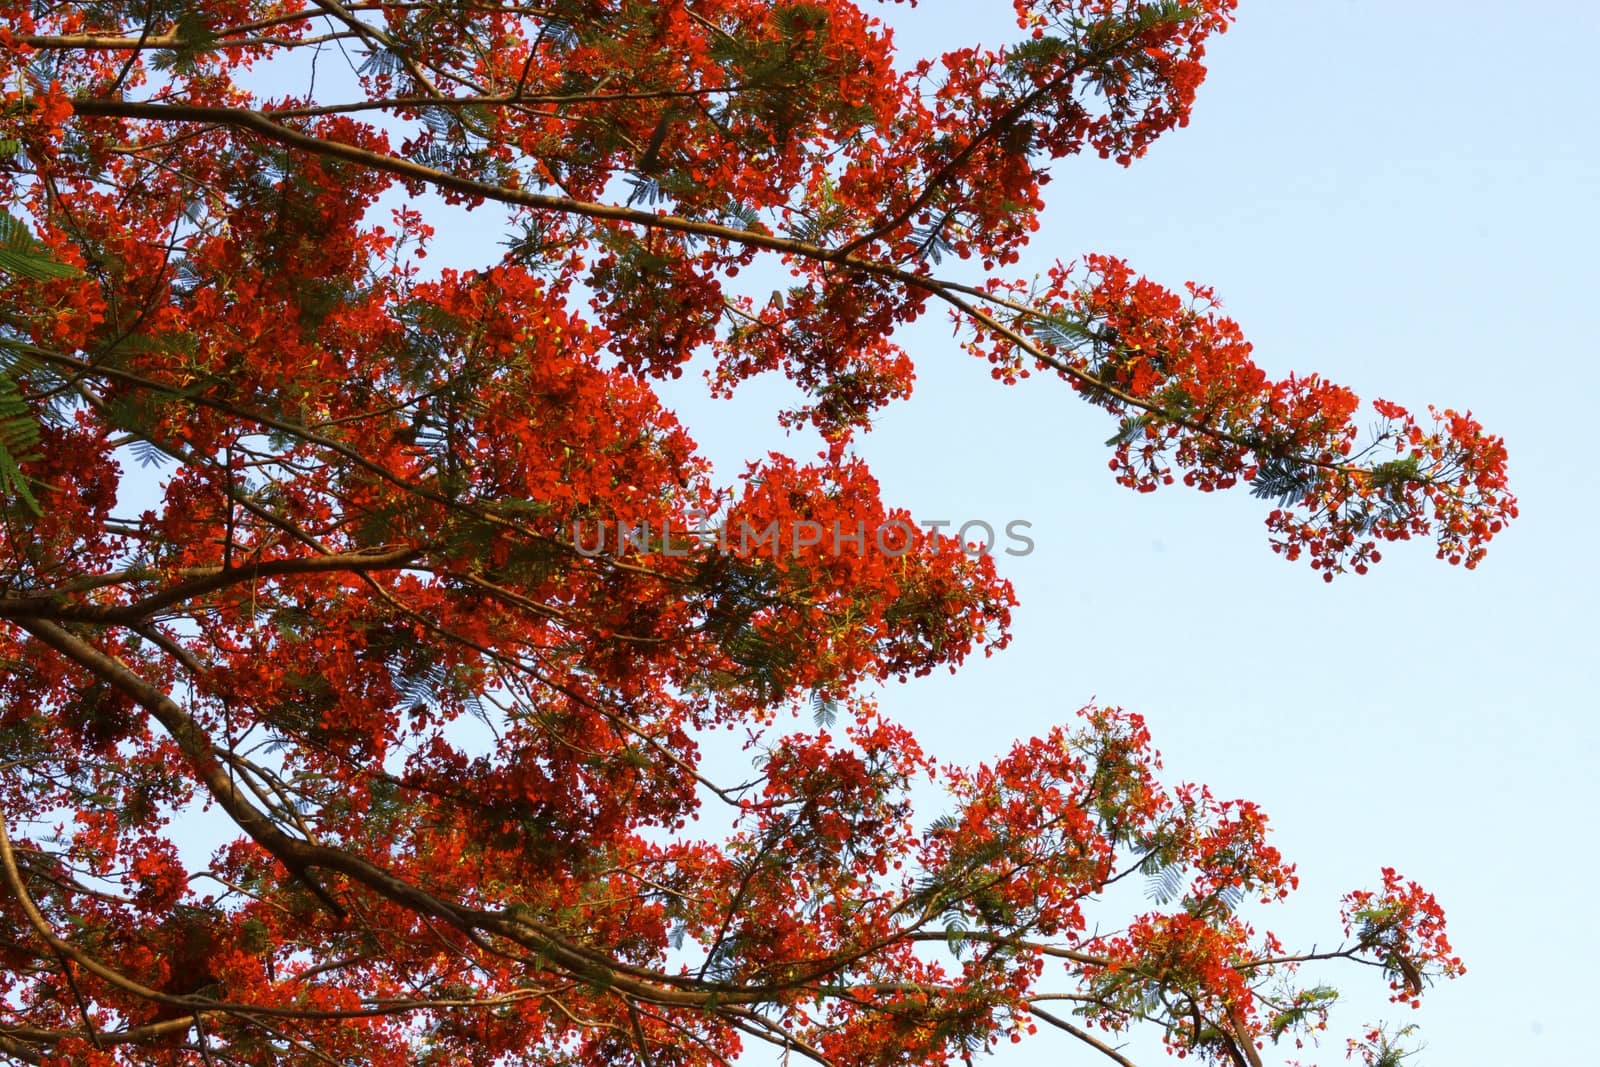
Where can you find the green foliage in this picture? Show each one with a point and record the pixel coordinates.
(1130, 429)
(24, 255)
(1066, 333)
(1384, 1049)
(1396, 474)
(1304, 1011)
(1164, 882)
(1281, 480)
(19, 432)
(195, 39)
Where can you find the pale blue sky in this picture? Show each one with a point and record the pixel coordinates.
(1400, 196)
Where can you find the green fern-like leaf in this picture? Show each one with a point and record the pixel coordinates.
(148, 454)
(1281, 480)
(955, 930)
(1164, 884)
(195, 38)
(1130, 429)
(23, 255)
(19, 433)
(1065, 333)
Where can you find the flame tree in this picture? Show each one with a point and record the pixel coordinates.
(365, 534)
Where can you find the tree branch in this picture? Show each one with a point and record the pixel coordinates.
(1082, 1035)
(206, 580)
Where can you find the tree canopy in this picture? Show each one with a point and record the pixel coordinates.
(370, 617)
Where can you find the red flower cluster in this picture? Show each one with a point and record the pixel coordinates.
(1402, 927)
(1189, 397)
